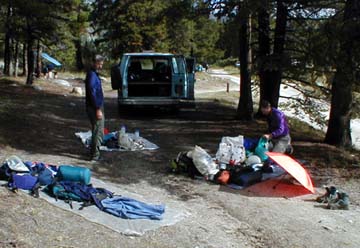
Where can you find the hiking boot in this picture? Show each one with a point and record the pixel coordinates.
(330, 195)
(342, 202)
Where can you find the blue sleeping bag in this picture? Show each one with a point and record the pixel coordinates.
(128, 208)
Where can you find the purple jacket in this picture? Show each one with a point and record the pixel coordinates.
(278, 126)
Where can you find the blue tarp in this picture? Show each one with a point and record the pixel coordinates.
(50, 59)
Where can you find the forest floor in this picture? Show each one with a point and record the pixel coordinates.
(38, 124)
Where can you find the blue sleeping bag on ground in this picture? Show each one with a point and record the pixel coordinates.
(128, 208)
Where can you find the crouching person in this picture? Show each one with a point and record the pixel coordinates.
(278, 129)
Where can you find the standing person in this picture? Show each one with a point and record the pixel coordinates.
(206, 67)
(95, 106)
(278, 129)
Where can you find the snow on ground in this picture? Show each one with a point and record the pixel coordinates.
(287, 91)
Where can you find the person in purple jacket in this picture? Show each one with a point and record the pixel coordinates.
(95, 106)
(278, 131)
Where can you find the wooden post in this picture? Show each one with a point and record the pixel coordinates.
(227, 87)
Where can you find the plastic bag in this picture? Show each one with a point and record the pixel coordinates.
(231, 149)
(203, 162)
(125, 141)
(15, 164)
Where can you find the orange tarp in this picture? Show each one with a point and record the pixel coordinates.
(294, 168)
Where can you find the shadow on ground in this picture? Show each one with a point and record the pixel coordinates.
(43, 122)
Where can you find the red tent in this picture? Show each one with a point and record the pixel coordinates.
(293, 168)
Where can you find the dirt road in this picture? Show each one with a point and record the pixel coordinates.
(39, 125)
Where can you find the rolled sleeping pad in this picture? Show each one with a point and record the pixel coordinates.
(74, 174)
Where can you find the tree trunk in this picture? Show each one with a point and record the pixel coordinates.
(7, 48)
(272, 89)
(264, 48)
(7, 54)
(24, 60)
(38, 59)
(339, 132)
(245, 107)
(30, 55)
(79, 61)
(16, 59)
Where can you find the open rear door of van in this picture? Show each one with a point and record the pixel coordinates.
(190, 68)
(179, 77)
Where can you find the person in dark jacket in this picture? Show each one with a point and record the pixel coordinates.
(278, 129)
(95, 106)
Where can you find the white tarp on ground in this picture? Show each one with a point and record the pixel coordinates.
(85, 138)
(174, 212)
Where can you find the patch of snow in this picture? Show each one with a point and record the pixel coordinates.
(355, 133)
(224, 75)
(323, 107)
(61, 82)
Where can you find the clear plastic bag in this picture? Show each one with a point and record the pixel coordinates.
(203, 162)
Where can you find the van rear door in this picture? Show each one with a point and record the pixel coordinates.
(190, 67)
(179, 77)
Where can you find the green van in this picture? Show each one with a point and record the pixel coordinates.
(154, 79)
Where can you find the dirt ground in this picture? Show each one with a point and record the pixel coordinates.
(38, 124)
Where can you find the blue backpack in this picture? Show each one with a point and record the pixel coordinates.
(74, 191)
(19, 180)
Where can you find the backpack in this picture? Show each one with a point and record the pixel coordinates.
(45, 173)
(185, 164)
(245, 176)
(18, 176)
(74, 191)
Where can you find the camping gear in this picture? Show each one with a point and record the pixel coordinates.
(59, 192)
(253, 160)
(74, 174)
(203, 162)
(341, 202)
(111, 139)
(75, 191)
(14, 163)
(224, 177)
(183, 163)
(231, 149)
(128, 208)
(45, 177)
(329, 196)
(294, 168)
(43, 172)
(245, 176)
(22, 181)
(52, 60)
(250, 144)
(261, 149)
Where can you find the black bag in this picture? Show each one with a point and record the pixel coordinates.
(186, 164)
(245, 176)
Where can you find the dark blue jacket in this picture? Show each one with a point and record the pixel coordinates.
(94, 92)
(278, 126)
